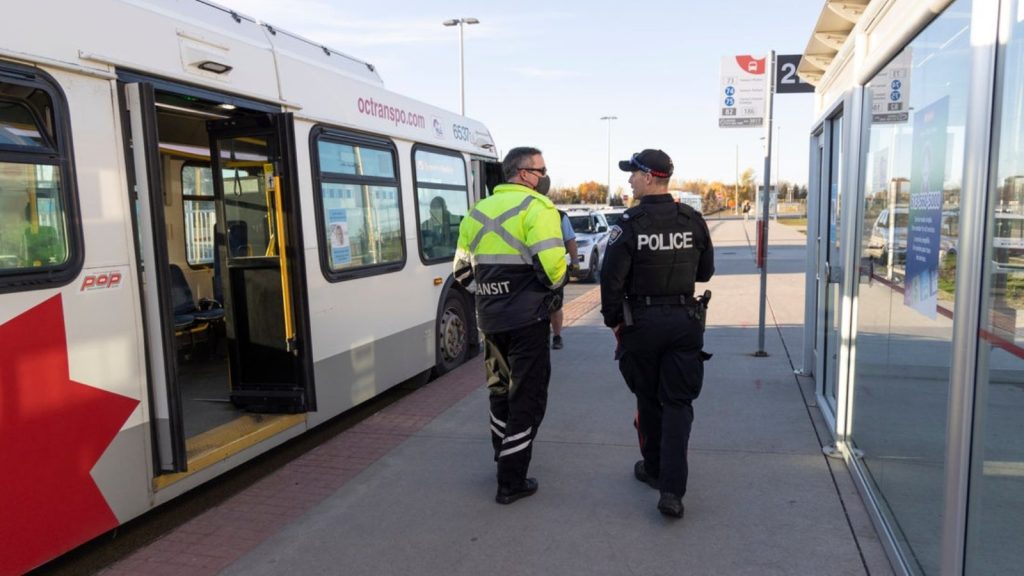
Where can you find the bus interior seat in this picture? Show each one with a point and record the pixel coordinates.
(191, 319)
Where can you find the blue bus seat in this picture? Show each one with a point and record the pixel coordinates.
(186, 312)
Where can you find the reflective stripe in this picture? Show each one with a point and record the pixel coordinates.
(546, 244)
(501, 259)
(523, 434)
(514, 450)
(495, 225)
(463, 266)
(496, 421)
(496, 432)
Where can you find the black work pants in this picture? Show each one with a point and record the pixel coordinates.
(518, 364)
(663, 366)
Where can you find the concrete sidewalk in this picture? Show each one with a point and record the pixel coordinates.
(762, 499)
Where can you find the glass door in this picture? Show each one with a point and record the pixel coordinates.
(832, 158)
(270, 366)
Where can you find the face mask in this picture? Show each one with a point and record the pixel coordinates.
(543, 185)
(435, 214)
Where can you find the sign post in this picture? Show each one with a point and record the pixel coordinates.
(762, 223)
(746, 100)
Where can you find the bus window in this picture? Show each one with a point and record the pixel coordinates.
(360, 204)
(200, 214)
(35, 192)
(442, 201)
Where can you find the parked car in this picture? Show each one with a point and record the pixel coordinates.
(613, 214)
(591, 228)
(889, 235)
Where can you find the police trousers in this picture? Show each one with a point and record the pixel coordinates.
(518, 364)
(663, 365)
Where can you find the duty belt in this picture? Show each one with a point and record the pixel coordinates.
(680, 300)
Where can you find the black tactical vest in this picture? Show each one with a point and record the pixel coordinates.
(669, 241)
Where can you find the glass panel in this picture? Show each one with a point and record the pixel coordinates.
(355, 160)
(912, 184)
(997, 486)
(441, 210)
(18, 127)
(582, 224)
(248, 213)
(200, 215)
(362, 224)
(436, 168)
(33, 227)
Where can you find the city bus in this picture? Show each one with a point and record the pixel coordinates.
(214, 236)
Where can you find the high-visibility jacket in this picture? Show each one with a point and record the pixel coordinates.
(511, 255)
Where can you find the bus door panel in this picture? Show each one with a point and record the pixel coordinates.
(486, 175)
(259, 263)
(165, 399)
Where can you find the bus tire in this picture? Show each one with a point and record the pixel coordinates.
(452, 334)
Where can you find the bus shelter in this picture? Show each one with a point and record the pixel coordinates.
(915, 277)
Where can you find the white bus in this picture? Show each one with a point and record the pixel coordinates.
(691, 199)
(214, 235)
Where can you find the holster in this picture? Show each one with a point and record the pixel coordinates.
(627, 313)
(700, 311)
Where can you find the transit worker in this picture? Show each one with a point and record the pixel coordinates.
(656, 253)
(558, 317)
(511, 255)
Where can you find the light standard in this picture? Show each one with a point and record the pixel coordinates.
(609, 119)
(462, 78)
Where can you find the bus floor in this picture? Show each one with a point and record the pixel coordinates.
(205, 390)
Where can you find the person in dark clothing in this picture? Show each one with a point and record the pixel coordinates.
(511, 255)
(656, 254)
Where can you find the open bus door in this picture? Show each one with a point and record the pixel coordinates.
(486, 175)
(260, 263)
(165, 405)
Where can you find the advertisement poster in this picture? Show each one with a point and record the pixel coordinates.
(927, 173)
(337, 224)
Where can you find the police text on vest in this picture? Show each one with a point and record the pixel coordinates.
(665, 241)
(493, 288)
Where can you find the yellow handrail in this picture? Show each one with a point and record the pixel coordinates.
(286, 291)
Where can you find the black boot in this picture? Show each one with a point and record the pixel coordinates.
(510, 495)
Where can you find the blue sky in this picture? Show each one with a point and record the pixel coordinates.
(543, 73)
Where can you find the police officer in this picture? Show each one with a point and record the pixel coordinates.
(655, 254)
(510, 254)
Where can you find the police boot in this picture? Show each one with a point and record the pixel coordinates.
(640, 471)
(510, 495)
(670, 505)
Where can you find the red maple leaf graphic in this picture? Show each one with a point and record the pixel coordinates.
(52, 432)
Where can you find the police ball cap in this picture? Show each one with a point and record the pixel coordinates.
(654, 162)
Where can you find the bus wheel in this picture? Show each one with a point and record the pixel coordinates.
(452, 335)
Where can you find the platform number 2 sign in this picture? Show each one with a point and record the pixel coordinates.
(786, 80)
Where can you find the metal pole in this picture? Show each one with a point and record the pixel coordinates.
(736, 189)
(461, 22)
(462, 71)
(609, 119)
(609, 161)
(770, 78)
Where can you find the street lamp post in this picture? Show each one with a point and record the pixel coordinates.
(462, 63)
(609, 119)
